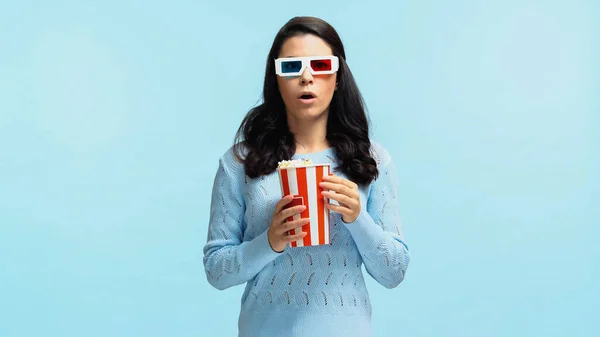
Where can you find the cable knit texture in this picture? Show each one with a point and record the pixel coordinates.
(304, 291)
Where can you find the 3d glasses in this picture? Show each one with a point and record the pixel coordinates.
(318, 65)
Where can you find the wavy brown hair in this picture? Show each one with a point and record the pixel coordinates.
(264, 135)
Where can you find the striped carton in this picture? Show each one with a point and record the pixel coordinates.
(303, 182)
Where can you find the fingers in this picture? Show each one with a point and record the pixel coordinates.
(340, 190)
(290, 212)
(339, 180)
(337, 187)
(278, 232)
(283, 233)
(340, 209)
(283, 202)
(340, 198)
(295, 237)
(294, 224)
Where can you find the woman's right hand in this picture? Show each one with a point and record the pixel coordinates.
(280, 226)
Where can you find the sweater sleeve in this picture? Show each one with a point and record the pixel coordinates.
(228, 260)
(377, 231)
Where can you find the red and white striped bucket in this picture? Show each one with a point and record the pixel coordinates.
(303, 182)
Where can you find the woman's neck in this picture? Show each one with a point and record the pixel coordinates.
(310, 136)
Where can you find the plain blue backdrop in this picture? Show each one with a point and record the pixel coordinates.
(113, 115)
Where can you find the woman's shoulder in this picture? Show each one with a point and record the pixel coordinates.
(380, 153)
(232, 158)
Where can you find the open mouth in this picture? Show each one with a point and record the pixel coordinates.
(307, 97)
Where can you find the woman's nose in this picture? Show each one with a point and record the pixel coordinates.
(306, 77)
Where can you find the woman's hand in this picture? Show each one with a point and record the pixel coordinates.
(345, 193)
(280, 226)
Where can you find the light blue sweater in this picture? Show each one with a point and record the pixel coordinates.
(304, 291)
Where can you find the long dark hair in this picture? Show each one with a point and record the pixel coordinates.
(264, 135)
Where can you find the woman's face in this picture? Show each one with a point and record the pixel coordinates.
(321, 87)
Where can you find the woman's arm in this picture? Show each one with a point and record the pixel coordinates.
(228, 261)
(377, 231)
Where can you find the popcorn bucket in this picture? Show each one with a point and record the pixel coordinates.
(303, 182)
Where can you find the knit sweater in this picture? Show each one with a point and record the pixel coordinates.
(316, 291)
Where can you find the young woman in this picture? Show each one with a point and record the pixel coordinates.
(313, 110)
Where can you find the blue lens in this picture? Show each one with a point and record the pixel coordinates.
(291, 66)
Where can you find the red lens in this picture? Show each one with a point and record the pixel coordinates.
(321, 65)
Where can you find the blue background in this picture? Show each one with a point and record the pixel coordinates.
(113, 115)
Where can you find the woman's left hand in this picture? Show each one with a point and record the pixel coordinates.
(345, 193)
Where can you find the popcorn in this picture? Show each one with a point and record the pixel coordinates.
(294, 163)
(302, 179)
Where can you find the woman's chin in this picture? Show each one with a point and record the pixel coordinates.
(309, 114)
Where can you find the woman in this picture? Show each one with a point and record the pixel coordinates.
(313, 110)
